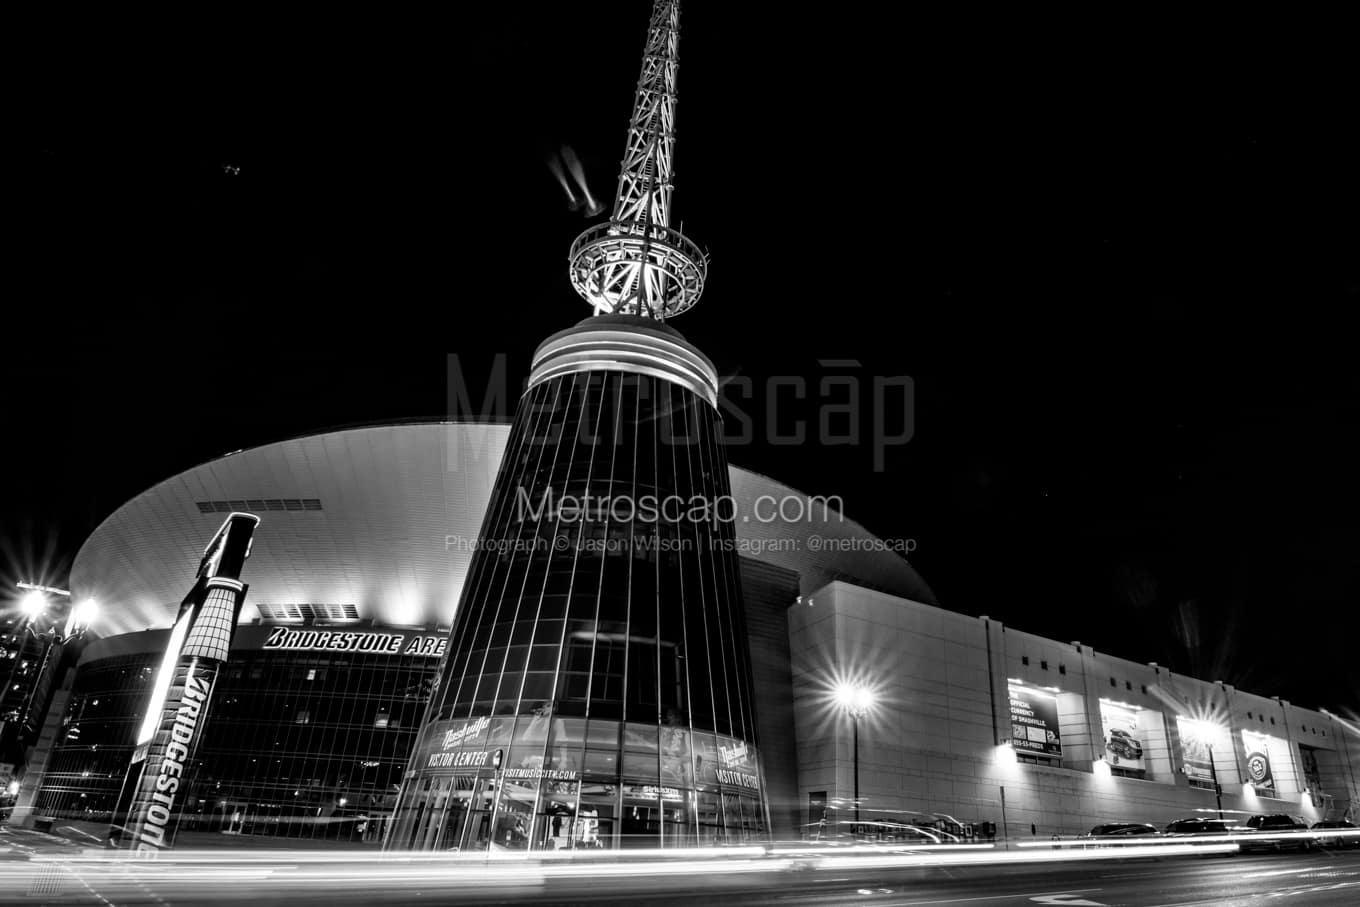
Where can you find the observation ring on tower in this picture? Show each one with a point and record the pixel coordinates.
(617, 265)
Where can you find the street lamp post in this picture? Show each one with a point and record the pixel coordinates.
(1213, 773)
(33, 606)
(855, 716)
(855, 701)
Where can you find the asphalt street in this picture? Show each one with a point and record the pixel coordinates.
(1326, 879)
(45, 869)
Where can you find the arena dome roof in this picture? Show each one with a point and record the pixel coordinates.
(376, 523)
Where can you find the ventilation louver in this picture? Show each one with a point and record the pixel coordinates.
(257, 505)
(306, 611)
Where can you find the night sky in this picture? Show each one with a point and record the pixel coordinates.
(1118, 258)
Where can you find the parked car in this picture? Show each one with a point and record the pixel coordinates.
(892, 833)
(1337, 840)
(1277, 831)
(1122, 830)
(1201, 826)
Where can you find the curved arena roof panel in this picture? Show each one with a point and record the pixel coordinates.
(378, 522)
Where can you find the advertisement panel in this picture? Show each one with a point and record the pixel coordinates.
(1259, 775)
(1034, 722)
(738, 766)
(460, 744)
(1123, 745)
(705, 758)
(160, 776)
(1197, 740)
(677, 765)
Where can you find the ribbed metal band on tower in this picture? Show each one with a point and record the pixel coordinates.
(597, 688)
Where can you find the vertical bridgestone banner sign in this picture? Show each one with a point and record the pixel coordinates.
(160, 777)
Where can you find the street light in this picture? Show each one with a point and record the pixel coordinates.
(78, 619)
(32, 606)
(1213, 773)
(855, 700)
(1206, 732)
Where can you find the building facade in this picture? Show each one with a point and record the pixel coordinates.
(974, 722)
(358, 563)
(364, 543)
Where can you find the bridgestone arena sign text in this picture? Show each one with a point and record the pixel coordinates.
(342, 641)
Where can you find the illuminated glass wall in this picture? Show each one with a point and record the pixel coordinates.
(300, 745)
(600, 646)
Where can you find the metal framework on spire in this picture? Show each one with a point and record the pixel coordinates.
(635, 263)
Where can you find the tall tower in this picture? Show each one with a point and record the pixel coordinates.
(597, 687)
(634, 263)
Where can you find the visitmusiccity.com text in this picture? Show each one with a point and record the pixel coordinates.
(643, 545)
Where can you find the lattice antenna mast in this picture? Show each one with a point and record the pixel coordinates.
(635, 263)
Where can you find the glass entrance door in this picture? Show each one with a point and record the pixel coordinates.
(595, 816)
(454, 818)
(556, 816)
(515, 813)
(477, 831)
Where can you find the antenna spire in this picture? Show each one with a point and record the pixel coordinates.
(635, 263)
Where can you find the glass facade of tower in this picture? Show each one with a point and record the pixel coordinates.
(597, 690)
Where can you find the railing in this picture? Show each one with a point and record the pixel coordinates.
(633, 233)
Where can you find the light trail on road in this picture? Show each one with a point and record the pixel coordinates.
(1168, 872)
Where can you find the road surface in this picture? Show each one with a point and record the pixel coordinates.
(44, 869)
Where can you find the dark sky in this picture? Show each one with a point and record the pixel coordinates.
(1118, 258)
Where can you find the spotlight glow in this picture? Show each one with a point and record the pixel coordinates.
(85, 612)
(33, 604)
(81, 616)
(856, 699)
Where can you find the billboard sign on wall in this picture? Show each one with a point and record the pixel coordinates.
(1123, 744)
(1197, 738)
(1259, 775)
(1034, 722)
